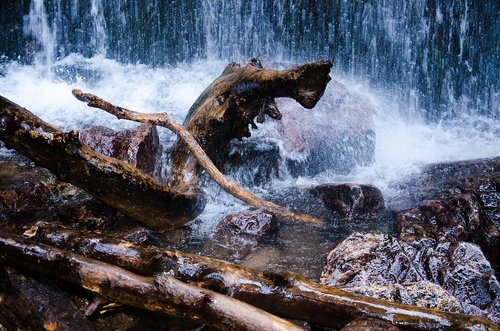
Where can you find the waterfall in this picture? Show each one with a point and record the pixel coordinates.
(438, 57)
(98, 40)
(38, 27)
(435, 60)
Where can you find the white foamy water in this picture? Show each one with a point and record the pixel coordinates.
(402, 145)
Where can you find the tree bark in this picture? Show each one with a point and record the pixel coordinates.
(161, 293)
(288, 295)
(114, 182)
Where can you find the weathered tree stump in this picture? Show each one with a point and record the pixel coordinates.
(228, 106)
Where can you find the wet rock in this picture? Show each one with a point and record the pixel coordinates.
(421, 294)
(351, 200)
(369, 324)
(374, 261)
(138, 146)
(252, 163)
(261, 259)
(364, 259)
(252, 225)
(453, 202)
(312, 142)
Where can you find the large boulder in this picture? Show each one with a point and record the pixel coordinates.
(452, 202)
(306, 142)
(351, 200)
(138, 146)
(336, 136)
(375, 262)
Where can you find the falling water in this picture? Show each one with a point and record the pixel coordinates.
(37, 26)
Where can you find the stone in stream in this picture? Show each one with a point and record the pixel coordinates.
(375, 262)
(450, 202)
(351, 200)
(312, 142)
(138, 146)
(252, 225)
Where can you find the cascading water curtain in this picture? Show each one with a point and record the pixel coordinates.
(439, 56)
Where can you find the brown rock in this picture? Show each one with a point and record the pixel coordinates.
(138, 146)
(351, 200)
(250, 225)
(369, 324)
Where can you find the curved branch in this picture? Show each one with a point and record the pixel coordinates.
(166, 121)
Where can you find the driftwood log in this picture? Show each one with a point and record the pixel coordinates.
(161, 293)
(229, 105)
(112, 181)
(286, 294)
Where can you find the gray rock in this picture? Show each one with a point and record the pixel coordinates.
(377, 262)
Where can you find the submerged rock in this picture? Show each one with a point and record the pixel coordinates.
(376, 262)
(351, 200)
(138, 147)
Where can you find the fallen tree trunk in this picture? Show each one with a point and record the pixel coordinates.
(114, 182)
(161, 293)
(165, 120)
(288, 295)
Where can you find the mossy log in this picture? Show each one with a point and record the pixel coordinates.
(110, 180)
(161, 293)
(286, 294)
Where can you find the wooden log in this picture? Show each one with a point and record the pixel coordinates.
(226, 108)
(114, 182)
(288, 295)
(30, 304)
(161, 293)
(165, 120)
